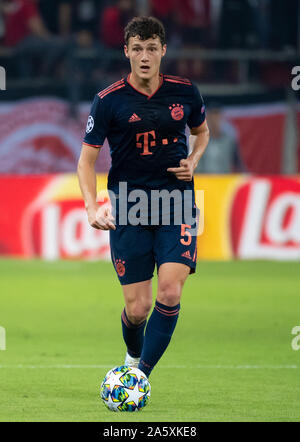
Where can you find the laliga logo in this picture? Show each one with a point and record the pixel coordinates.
(2, 79)
(265, 220)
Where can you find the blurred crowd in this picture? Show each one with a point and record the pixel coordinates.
(44, 33)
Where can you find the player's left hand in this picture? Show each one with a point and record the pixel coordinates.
(185, 171)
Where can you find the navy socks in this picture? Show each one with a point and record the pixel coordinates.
(133, 336)
(158, 334)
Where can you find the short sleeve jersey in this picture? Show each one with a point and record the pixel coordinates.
(146, 134)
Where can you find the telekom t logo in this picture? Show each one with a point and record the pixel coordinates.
(147, 138)
(2, 79)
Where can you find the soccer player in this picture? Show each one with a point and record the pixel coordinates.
(144, 116)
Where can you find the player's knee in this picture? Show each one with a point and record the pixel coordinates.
(138, 312)
(169, 293)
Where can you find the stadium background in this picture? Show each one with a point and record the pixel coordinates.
(55, 281)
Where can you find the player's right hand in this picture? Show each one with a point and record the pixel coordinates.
(101, 219)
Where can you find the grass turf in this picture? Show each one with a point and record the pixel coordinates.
(230, 358)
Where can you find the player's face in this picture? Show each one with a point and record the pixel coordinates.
(145, 56)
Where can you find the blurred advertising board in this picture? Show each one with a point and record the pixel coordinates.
(42, 135)
(244, 217)
(250, 217)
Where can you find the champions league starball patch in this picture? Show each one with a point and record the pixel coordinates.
(90, 124)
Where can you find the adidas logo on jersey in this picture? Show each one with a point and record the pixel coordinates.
(187, 254)
(134, 118)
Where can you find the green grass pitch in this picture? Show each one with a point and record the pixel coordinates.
(230, 359)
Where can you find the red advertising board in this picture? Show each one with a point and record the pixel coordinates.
(265, 219)
(44, 216)
(244, 218)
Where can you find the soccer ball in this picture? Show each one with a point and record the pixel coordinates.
(125, 388)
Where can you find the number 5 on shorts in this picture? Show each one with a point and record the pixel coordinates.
(187, 237)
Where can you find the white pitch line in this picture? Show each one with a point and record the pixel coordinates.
(221, 367)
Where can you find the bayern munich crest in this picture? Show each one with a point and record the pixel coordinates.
(177, 111)
(90, 124)
(120, 267)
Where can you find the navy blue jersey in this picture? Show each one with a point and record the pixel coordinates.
(146, 134)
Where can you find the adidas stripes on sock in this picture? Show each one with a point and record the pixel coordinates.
(160, 328)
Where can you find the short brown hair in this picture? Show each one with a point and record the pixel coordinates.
(145, 28)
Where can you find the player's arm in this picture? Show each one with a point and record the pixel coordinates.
(99, 217)
(200, 136)
(96, 132)
(198, 140)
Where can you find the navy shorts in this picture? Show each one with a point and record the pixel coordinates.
(135, 250)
